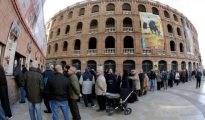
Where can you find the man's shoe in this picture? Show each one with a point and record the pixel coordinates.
(46, 111)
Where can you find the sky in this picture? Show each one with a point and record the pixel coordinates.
(192, 9)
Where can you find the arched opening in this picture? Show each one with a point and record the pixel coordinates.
(128, 42)
(127, 22)
(67, 29)
(147, 65)
(65, 46)
(70, 15)
(63, 64)
(82, 11)
(194, 65)
(183, 65)
(126, 7)
(92, 43)
(58, 31)
(51, 35)
(110, 23)
(175, 18)
(93, 24)
(77, 45)
(172, 46)
(174, 66)
(56, 47)
(79, 26)
(155, 11)
(162, 65)
(166, 14)
(61, 17)
(178, 31)
(110, 42)
(141, 8)
(169, 28)
(181, 47)
(91, 64)
(128, 65)
(110, 7)
(109, 64)
(49, 49)
(95, 9)
(76, 64)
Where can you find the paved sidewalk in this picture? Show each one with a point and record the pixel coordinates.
(182, 102)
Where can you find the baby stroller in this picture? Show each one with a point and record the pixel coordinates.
(120, 102)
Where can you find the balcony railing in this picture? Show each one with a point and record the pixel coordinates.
(127, 29)
(161, 52)
(94, 14)
(127, 12)
(64, 53)
(92, 51)
(146, 52)
(110, 29)
(76, 52)
(78, 31)
(93, 30)
(128, 50)
(171, 34)
(173, 53)
(110, 12)
(109, 51)
(181, 54)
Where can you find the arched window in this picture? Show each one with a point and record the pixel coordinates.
(126, 7)
(95, 9)
(49, 49)
(61, 17)
(183, 65)
(162, 65)
(93, 24)
(147, 65)
(51, 35)
(172, 46)
(82, 11)
(128, 42)
(110, 23)
(76, 64)
(109, 64)
(79, 26)
(181, 47)
(169, 28)
(77, 45)
(56, 47)
(127, 22)
(182, 21)
(67, 29)
(91, 64)
(128, 65)
(110, 7)
(141, 8)
(70, 15)
(174, 66)
(110, 42)
(166, 14)
(175, 18)
(155, 11)
(178, 31)
(58, 31)
(92, 43)
(65, 46)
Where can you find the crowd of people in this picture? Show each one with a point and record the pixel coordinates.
(61, 87)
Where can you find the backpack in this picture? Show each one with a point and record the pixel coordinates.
(164, 76)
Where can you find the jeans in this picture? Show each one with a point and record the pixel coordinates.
(35, 111)
(152, 84)
(2, 114)
(22, 93)
(63, 105)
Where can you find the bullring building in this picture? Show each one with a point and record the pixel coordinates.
(123, 34)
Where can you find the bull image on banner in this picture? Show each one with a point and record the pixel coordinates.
(189, 38)
(152, 32)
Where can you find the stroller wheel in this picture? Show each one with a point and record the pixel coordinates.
(128, 111)
(110, 112)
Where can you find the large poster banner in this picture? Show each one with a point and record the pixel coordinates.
(32, 13)
(152, 32)
(10, 50)
(189, 38)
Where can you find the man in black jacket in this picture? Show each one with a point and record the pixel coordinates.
(59, 92)
(4, 99)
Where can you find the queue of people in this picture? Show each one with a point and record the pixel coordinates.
(61, 87)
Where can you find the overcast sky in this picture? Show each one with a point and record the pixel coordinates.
(192, 9)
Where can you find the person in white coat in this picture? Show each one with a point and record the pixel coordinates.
(100, 87)
(87, 81)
